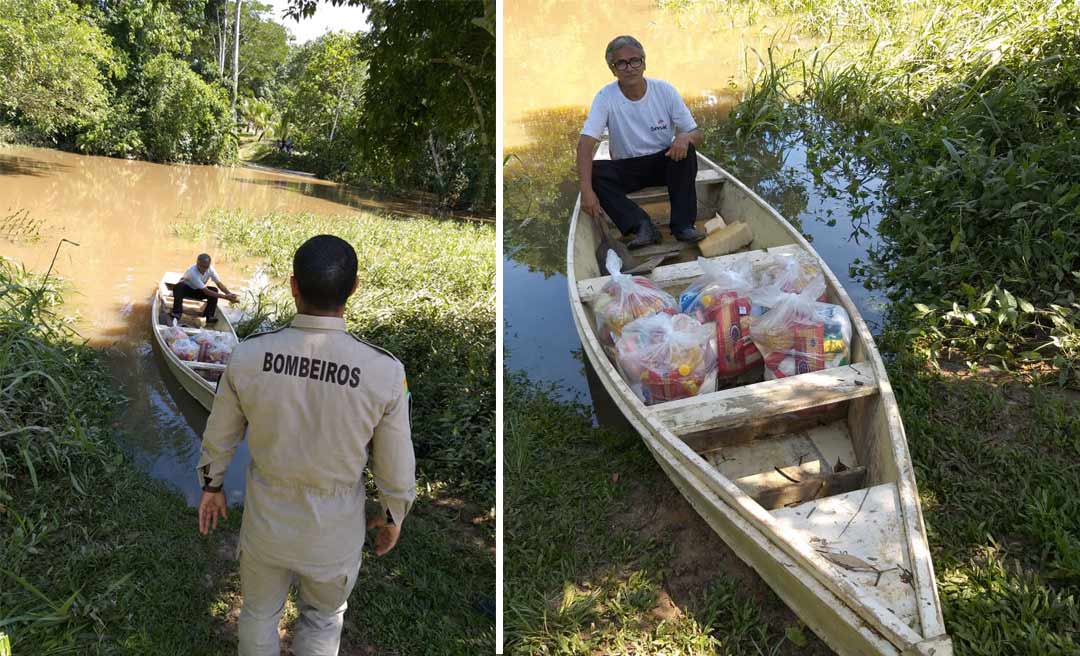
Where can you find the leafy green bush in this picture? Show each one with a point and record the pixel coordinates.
(973, 128)
(54, 64)
(185, 119)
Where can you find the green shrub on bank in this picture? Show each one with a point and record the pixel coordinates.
(427, 294)
(971, 119)
(185, 119)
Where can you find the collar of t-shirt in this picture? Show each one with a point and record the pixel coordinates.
(317, 322)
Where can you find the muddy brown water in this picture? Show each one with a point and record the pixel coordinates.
(121, 214)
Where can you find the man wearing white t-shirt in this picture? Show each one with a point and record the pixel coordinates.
(652, 138)
(193, 285)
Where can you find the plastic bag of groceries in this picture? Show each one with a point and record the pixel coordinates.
(219, 350)
(789, 272)
(625, 298)
(205, 336)
(185, 349)
(722, 295)
(665, 357)
(173, 333)
(799, 334)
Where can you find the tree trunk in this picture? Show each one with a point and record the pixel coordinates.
(435, 159)
(337, 109)
(236, 57)
(223, 40)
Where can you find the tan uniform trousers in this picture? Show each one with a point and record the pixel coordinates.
(322, 593)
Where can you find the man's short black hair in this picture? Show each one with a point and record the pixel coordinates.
(325, 269)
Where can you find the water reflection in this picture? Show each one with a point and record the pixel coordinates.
(162, 424)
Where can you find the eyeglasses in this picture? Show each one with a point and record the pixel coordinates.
(623, 64)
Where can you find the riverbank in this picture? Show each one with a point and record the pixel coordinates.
(98, 558)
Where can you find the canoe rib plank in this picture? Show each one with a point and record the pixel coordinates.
(675, 275)
(704, 176)
(812, 487)
(741, 406)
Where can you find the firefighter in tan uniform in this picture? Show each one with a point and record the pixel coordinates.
(317, 405)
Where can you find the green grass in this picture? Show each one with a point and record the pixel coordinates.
(996, 465)
(598, 554)
(427, 293)
(96, 558)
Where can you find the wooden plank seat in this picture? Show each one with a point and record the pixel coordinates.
(676, 275)
(704, 177)
(743, 405)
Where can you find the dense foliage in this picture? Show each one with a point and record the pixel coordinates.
(407, 105)
(972, 133)
(54, 65)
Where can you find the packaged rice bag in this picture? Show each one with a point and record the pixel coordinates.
(722, 295)
(625, 298)
(666, 357)
(790, 273)
(799, 334)
(185, 349)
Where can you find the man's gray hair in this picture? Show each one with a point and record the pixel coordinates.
(203, 257)
(619, 42)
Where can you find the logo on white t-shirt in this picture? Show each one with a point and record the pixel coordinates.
(660, 125)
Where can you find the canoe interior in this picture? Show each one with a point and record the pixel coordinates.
(827, 469)
(192, 322)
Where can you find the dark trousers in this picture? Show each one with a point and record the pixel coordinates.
(181, 291)
(613, 179)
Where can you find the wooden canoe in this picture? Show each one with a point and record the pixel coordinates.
(198, 378)
(844, 547)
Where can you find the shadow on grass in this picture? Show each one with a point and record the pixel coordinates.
(603, 555)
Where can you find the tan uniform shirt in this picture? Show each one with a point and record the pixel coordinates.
(316, 403)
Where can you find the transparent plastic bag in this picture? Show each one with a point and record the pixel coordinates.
(626, 298)
(664, 357)
(799, 334)
(721, 295)
(205, 337)
(790, 273)
(219, 351)
(173, 333)
(185, 349)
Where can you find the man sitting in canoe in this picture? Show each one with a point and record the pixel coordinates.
(642, 116)
(193, 285)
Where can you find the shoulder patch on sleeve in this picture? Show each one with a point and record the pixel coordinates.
(265, 332)
(377, 348)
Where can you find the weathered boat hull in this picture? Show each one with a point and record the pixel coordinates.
(197, 386)
(803, 550)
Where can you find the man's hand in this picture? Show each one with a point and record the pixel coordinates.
(211, 506)
(387, 536)
(590, 204)
(679, 147)
(232, 298)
